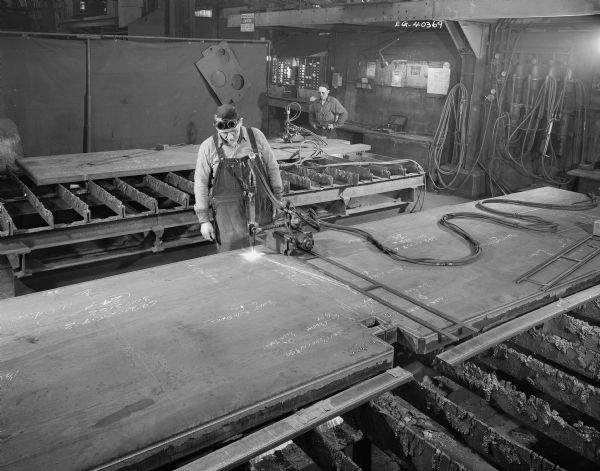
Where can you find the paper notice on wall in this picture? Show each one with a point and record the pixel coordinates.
(371, 68)
(398, 74)
(416, 74)
(438, 80)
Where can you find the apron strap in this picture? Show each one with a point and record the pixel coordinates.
(252, 140)
(220, 151)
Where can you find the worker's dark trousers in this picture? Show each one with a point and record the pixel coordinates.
(232, 178)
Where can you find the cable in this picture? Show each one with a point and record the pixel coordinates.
(531, 222)
(293, 129)
(420, 201)
(458, 113)
(590, 203)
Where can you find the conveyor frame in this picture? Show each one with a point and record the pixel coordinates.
(55, 226)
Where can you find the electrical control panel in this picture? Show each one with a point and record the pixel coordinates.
(293, 76)
(309, 72)
(283, 70)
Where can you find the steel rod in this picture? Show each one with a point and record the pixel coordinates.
(375, 284)
(547, 262)
(386, 303)
(570, 270)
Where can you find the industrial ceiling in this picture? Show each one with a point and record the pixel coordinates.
(352, 13)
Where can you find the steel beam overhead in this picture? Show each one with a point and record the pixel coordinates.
(422, 10)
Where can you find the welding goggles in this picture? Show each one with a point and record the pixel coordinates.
(226, 124)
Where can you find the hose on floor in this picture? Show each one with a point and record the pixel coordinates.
(530, 222)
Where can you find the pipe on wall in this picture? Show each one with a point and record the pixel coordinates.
(88, 99)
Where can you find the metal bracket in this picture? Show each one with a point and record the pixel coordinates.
(382, 172)
(222, 71)
(136, 195)
(74, 203)
(349, 177)
(297, 180)
(320, 178)
(6, 223)
(158, 242)
(17, 263)
(179, 182)
(33, 199)
(106, 198)
(167, 190)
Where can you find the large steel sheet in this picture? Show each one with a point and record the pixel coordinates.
(130, 368)
(482, 293)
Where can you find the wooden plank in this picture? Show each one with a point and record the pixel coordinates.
(296, 424)
(66, 168)
(479, 294)
(135, 369)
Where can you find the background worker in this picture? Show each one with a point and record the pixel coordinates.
(326, 113)
(228, 184)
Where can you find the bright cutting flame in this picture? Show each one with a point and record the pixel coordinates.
(252, 255)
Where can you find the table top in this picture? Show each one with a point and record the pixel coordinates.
(66, 168)
(398, 135)
(478, 293)
(184, 353)
(97, 371)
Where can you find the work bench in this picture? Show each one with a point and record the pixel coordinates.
(587, 180)
(399, 136)
(409, 145)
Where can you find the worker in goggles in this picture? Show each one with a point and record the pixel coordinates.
(326, 113)
(235, 182)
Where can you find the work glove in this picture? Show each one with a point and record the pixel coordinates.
(207, 230)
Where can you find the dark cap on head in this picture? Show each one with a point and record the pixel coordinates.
(226, 112)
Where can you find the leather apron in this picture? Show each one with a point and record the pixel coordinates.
(235, 187)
